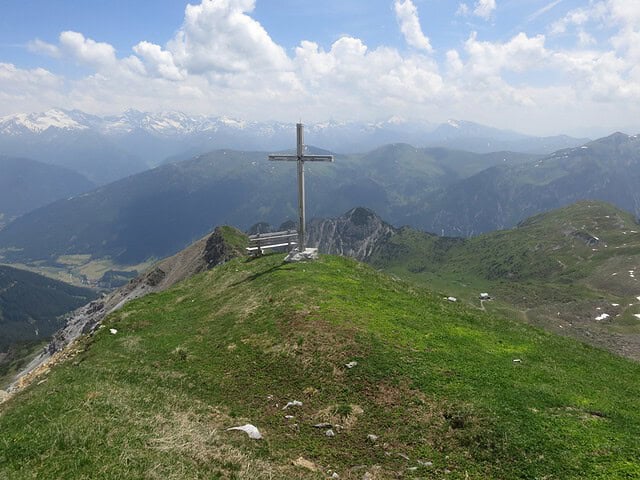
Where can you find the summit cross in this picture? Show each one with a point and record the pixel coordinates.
(300, 157)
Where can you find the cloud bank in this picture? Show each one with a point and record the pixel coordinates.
(223, 61)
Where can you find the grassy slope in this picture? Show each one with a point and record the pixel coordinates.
(435, 381)
(539, 269)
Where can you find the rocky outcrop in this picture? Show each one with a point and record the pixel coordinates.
(206, 253)
(357, 234)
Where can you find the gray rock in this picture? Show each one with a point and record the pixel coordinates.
(356, 234)
(323, 425)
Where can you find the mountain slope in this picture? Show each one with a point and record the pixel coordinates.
(607, 169)
(435, 383)
(26, 185)
(158, 212)
(571, 270)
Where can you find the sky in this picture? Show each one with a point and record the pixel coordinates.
(542, 67)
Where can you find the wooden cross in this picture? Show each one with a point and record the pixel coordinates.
(300, 157)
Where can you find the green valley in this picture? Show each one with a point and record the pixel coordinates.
(32, 308)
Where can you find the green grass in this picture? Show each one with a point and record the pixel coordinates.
(545, 271)
(436, 382)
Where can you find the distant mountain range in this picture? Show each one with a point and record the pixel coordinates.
(607, 169)
(27, 184)
(158, 212)
(107, 148)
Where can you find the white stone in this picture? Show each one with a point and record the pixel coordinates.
(604, 316)
(372, 438)
(308, 254)
(250, 430)
(113, 331)
(452, 299)
(330, 433)
(351, 364)
(294, 403)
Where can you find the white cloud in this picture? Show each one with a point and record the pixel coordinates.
(159, 61)
(518, 54)
(481, 8)
(219, 36)
(350, 75)
(38, 46)
(463, 10)
(23, 90)
(484, 8)
(222, 61)
(407, 16)
(87, 51)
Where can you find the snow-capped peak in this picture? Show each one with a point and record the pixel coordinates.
(39, 122)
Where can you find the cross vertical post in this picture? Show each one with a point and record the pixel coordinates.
(300, 158)
(301, 212)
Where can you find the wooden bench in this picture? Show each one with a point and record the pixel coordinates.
(264, 241)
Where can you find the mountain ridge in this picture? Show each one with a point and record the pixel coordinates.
(133, 141)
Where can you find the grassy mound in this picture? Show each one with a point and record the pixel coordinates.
(443, 389)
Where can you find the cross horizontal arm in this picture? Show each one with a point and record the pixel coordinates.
(304, 158)
(285, 158)
(317, 158)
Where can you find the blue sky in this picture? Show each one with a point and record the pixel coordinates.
(547, 66)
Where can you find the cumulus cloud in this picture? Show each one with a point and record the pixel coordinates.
(222, 61)
(87, 51)
(25, 89)
(159, 61)
(407, 16)
(219, 35)
(350, 72)
(518, 54)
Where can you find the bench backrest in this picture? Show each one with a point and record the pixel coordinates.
(261, 241)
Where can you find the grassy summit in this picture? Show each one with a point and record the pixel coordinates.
(435, 382)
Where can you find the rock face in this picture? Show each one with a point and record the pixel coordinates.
(355, 234)
(202, 255)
